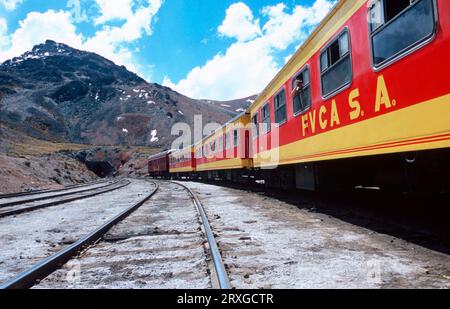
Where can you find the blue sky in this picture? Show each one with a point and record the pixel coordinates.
(202, 48)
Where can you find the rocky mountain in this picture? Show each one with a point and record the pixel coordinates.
(61, 94)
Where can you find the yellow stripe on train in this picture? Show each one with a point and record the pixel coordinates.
(420, 127)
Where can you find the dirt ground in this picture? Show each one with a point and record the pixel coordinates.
(27, 173)
(28, 163)
(267, 243)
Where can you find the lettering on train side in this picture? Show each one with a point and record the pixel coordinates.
(354, 104)
(328, 116)
(335, 120)
(382, 97)
(322, 121)
(309, 120)
(305, 125)
(312, 120)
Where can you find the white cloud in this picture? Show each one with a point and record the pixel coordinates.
(287, 58)
(10, 5)
(248, 66)
(4, 38)
(38, 27)
(239, 23)
(111, 42)
(242, 70)
(113, 10)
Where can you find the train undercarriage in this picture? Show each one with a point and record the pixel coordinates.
(422, 172)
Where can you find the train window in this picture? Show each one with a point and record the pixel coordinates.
(323, 62)
(220, 145)
(400, 27)
(376, 15)
(334, 53)
(227, 141)
(255, 123)
(301, 85)
(336, 65)
(236, 137)
(280, 107)
(266, 122)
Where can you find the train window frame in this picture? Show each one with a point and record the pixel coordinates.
(228, 141)
(220, 143)
(264, 119)
(406, 51)
(276, 109)
(255, 134)
(301, 71)
(322, 71)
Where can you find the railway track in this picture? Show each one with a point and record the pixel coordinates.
(166, 243)
(216, 256)
(30, 277)
(18, 199)
(34, 192)
(15, 207)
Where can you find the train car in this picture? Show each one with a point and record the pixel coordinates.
(182, 163)
(225, 153)
(158, 165)
(364, 101)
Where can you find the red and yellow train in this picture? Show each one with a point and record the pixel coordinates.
(365, 101)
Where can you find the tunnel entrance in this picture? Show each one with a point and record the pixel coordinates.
(102, 169)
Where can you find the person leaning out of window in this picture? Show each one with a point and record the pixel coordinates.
(297, 87)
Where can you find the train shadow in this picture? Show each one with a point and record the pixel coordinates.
(418, 219)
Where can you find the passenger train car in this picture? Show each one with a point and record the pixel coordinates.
(158, 165)
(225, 153)
(365, 101)
(182, 162)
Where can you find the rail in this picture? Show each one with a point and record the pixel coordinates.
(92, 192)
(28, 278)
(219, 266)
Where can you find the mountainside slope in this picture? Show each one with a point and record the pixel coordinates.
(61, 94)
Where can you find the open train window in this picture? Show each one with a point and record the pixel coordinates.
(266, 122)
(399, 27)
(255, 123)
(336, 65)
(280, 107)
(301, 86)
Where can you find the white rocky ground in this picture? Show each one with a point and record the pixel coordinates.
(265, 243)
(160, 246)
(270, 244)
(27, 238)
